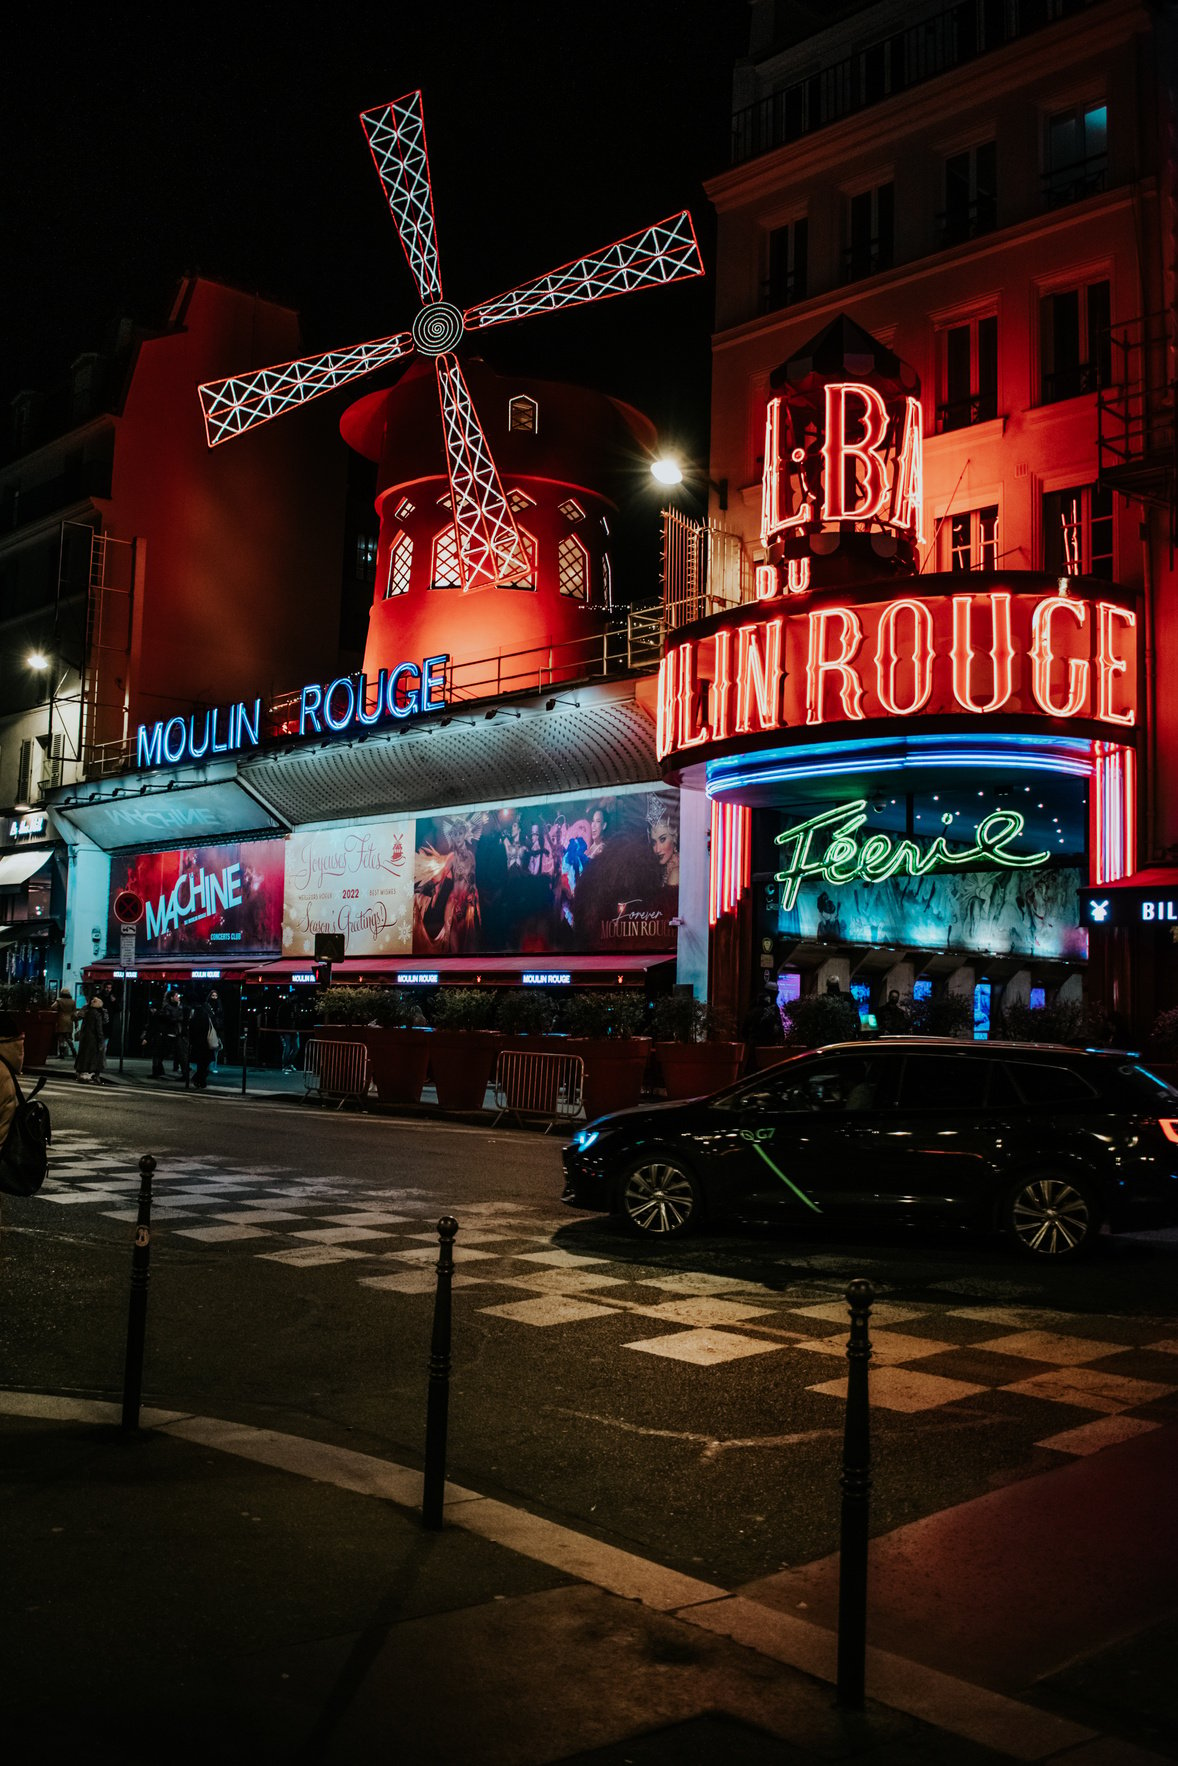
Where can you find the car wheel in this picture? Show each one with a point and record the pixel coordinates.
(659, 1199)
(1051, 1216)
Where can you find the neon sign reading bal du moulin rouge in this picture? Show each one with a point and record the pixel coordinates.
(848, 471)
(349, 702)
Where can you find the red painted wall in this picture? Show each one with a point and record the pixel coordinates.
(582, 439)
(239, 547)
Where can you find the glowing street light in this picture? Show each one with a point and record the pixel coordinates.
(667, 470)
(38, 660)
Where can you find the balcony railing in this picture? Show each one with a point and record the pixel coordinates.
(980, 407)
(705, 570)
(1072, 183)
(867, 258)
(889, 66)
(1070, 383)
(632, 647)
(968, 221)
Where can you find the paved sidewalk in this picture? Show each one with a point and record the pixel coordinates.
(207, 1591)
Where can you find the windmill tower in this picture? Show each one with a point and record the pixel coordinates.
(489, 552)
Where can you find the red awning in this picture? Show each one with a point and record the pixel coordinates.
(277, 972)
(593, 971)
(166, 969)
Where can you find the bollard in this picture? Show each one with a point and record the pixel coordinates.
(852, 1639)
(434, 1485)
(137, 1311)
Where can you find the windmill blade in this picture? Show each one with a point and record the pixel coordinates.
(244, 400)
(490, 550)
(665, 252)
(396, 136)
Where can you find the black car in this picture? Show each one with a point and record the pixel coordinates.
(1047, 1144)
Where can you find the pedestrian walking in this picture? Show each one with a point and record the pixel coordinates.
(217, 1020)
(174, 1021)
(155, 1038)
(201, 1042)
(289, 1035)
(12, 1060)
(90, 1060)
(67, 1011)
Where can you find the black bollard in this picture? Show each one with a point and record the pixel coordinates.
(137, 1311)
(436, 1416)
(852, 1645)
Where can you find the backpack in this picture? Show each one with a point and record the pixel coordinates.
(24, 1157)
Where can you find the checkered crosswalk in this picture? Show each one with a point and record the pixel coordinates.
(1100, 1379)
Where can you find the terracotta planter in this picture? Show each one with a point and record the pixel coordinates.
(462, 1063)
(397, 1059)
(40, 1030)
(615, 1067)
(771, 1055)
(692, 1069)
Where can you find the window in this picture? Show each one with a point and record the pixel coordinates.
(523, 413)
(571, 509)
(366, 558)
(1076, 158)
(572, 567)
(400, 564)
(944, 1082)
(849, 1082)
(24, 772)
(785, 269)
(1078, 532)
(973, 539)
(1075, 352)
(870, 229)
(1051, 1085)
(968, 364)
(404, 509)
(517, 500)
(607, 580)
(445, 573)
(971, 195)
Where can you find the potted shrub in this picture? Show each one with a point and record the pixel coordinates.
(691, 1065)
(947, 1014)
(818, 1018)
(392, 1027)
(463, 1046)
(606, 1030)
(32, 1007)
(1062, 1021)
(1162, 1048)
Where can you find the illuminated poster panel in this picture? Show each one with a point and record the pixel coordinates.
(1006, 912)
(211, 901)
(358, 881)
(595, 872)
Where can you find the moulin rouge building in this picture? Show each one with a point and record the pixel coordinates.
(917, 660)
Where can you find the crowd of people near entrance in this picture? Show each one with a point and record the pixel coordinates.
(185, 1038)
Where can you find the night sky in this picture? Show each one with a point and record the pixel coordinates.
(157, 142)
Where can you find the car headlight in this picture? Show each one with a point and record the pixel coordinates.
(585, 1137)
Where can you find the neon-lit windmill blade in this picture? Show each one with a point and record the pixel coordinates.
(489, 546)
(665, 252)
(243, 401)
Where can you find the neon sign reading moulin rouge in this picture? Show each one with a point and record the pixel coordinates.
(826, 847)
(344, 704)
(1008, 651)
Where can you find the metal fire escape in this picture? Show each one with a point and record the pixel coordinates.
(106, 653)
(1136, 437)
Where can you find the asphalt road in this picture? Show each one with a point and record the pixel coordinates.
(685, 1404)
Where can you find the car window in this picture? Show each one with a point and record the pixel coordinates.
(1042, 1084)
(1002, 1088)
(843, 1082)
(945, 1082)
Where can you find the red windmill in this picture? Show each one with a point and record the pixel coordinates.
(490, 550)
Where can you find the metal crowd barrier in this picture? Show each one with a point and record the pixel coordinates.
(534, 1084)
(336, 1070)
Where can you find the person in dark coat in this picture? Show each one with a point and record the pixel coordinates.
(155, 1038)
(67, 1011)
(173, 1016)
(217, 1019)
(198, 1042)
(91, 1056)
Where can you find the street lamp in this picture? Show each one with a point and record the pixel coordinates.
(666, 469)
(37, 660)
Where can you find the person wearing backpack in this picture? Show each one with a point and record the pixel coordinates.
(24, 1125)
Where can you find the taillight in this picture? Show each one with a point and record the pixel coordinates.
(1169, 1127)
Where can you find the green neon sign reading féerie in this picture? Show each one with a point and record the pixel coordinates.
(826, 847)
